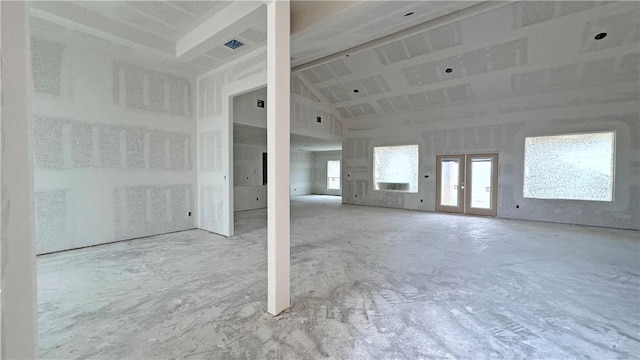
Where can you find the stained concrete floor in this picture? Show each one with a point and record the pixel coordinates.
(367, 283)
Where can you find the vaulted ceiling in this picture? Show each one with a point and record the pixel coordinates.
(189, 36)
(512, 50)
(370, 59)
(352, 23)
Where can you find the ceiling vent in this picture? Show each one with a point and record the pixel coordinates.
(233, 44)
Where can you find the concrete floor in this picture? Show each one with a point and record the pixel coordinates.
(367, 283)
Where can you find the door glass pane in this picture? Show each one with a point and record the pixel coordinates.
(333, 175)
(481, 183)
(449, 182)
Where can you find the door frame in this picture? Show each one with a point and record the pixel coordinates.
(461, 181)
(493, 211)
(464, 191)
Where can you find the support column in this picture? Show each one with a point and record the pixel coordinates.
(18, 282)
(278, 139)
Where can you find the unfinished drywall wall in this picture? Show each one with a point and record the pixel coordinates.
(305, 122)
(497, 132)
(483, 84)
(113, 144)
(250, 191)
(216, 91)
(319, 172)
(250, 139)
(301, 173)
(309, 116)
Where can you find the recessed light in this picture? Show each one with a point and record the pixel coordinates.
(356, 91)
(601, 36)
(408, 14)
(448, 70)
(233, 44)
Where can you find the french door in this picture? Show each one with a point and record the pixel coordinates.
(467, 184)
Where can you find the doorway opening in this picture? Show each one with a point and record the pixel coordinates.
(467, 183)
(333, 174)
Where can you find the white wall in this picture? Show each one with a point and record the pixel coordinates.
(249, 191)
(113, 142)
(320, 159)
(301, 173)
(247, 112)
(501, 126)
(304, 109)
(485, 82)
(215, 139)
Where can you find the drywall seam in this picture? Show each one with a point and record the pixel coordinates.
(326, 103)
(215, 121)
(440, 21)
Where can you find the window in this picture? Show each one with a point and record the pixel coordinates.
(571, 166)
(396, 168)
(333, 175)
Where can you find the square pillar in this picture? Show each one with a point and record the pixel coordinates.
(278, 143)
(19, 315)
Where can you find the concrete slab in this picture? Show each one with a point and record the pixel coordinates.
(367, 283)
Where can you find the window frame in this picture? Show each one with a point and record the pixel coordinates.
(613, 164)
(373, 169)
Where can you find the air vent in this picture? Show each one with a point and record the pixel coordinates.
(233, 44)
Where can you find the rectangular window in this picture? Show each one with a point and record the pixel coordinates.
(333, 175)
(570, 166)
(396, 168)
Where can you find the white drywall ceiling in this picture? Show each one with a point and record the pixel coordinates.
(514, 50)
(351, 23)
(168, 19)
(188, 36)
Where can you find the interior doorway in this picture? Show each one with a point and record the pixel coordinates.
(467, 183)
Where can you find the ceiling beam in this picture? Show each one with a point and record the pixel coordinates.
(216, 27)
(437, 22)
(308, 13)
